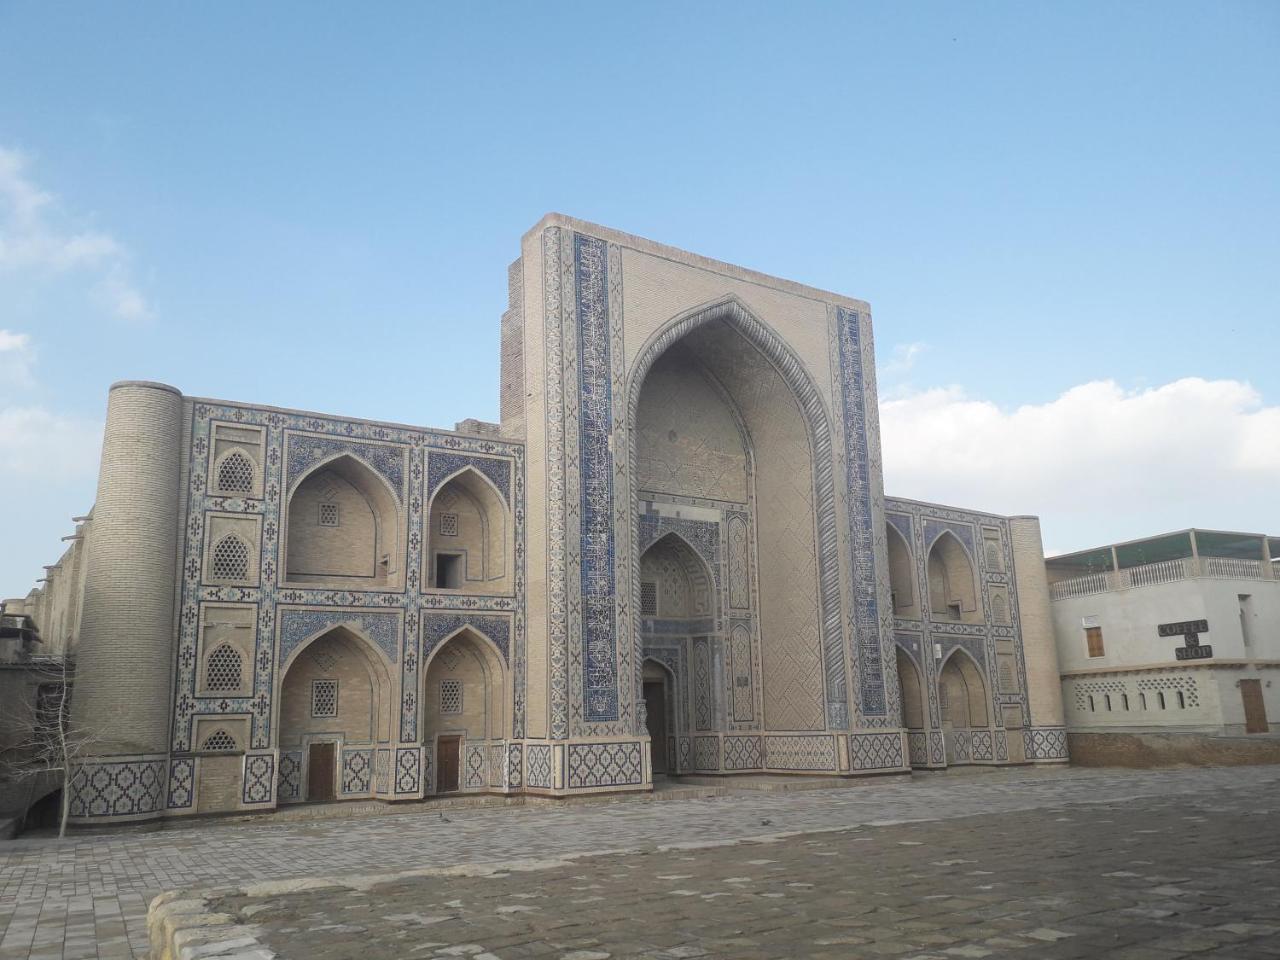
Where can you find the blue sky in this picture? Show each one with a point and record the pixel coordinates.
(1061, 214)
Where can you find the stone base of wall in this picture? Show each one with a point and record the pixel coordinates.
(1170, 750)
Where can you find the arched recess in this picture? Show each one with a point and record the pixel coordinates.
(660, 715)
(952, 587)
(469, 536)
(914, 704)
(787, 434)
(963, 698)
(902, 575)
(336, 692)
(463, 702)
(675, 582)
(342, 528)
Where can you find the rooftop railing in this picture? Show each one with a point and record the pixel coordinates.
(1164, 571)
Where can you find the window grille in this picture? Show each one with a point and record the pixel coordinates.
(224, 669)
(328, 514)
(324, 698)
(648, 599)
(993, 555)
(219, 740)
(448, 524)
(230, 559)
(450, 696)
(999, 611)
(235, 474)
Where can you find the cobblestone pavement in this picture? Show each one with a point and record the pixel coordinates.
(1144, 879)
(86, 896)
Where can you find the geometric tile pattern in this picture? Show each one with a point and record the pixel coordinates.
(305, 452)
(475, 766)
(259, 778)
(875, 751)
(299, 625)
(289, 781)
(357, 770)
(442, 466)
(407, 770)
(1045, 743)
(539, 769)
(182, 775)
(381, 771)
(514, 765)
(982, 746)
(800, 753)
(706, 753)
(117, 788)
(743, 753)
(604, 764)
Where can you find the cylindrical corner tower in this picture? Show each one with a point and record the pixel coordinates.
(1045, 737)
(124, 663)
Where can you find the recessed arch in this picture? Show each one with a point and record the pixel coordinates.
(950, 571)
(911, 683)
(902, 574)
(336, 692)
(342, 526)
(470, 535)
(464, 702)
(787, 424)
(234, 473)
(683, 584)
(966, 699)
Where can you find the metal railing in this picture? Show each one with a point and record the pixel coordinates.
(1227, 567)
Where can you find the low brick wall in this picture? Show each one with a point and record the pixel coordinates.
(1169, 750)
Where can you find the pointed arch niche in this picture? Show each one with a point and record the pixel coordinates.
(902, 576)
(469, 537)
(464, 700)
(964, 702)
(342, 528)
(336, 693)
(721, 410)
(952, 586)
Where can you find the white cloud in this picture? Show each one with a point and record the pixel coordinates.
(1099, 463)
(37, 443)
(16, 360)
(37, 237)
(902, 358)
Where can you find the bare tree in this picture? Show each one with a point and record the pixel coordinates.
(44, 746)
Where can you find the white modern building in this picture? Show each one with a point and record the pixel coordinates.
(1177, 632)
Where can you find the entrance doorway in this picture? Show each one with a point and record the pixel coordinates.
(655, 708)
(1255, 710)
(321, 769)
(448, 763)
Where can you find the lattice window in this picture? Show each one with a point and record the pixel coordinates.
(224, 670)
(999, 608)
(648, 599)
(328, 514)
(235, 474)
(230, 560)
(324, 698)
(993, 555)
(448, 524)
(451, 696)
(220, 739)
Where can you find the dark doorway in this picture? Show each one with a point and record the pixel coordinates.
(320, 770)
(655, 708)
(448, 763)
(448, 571)
(1255, 710)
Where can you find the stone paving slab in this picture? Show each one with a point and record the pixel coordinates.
(1154, 877)
(86, 896)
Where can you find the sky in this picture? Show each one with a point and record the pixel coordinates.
(1066, 218)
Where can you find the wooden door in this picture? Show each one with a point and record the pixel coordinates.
(655, 710)
(320, 770)
(1255, 710)
(448, 763)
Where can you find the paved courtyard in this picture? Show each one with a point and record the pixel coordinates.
(1087, 863)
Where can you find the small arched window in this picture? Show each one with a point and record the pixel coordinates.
(219, 740)
(1182, 701)
(230, 560)
(235, 474)
(224, 670)
(1091, 707)
(999, 608)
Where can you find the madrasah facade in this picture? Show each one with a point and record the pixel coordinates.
(673, 556)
